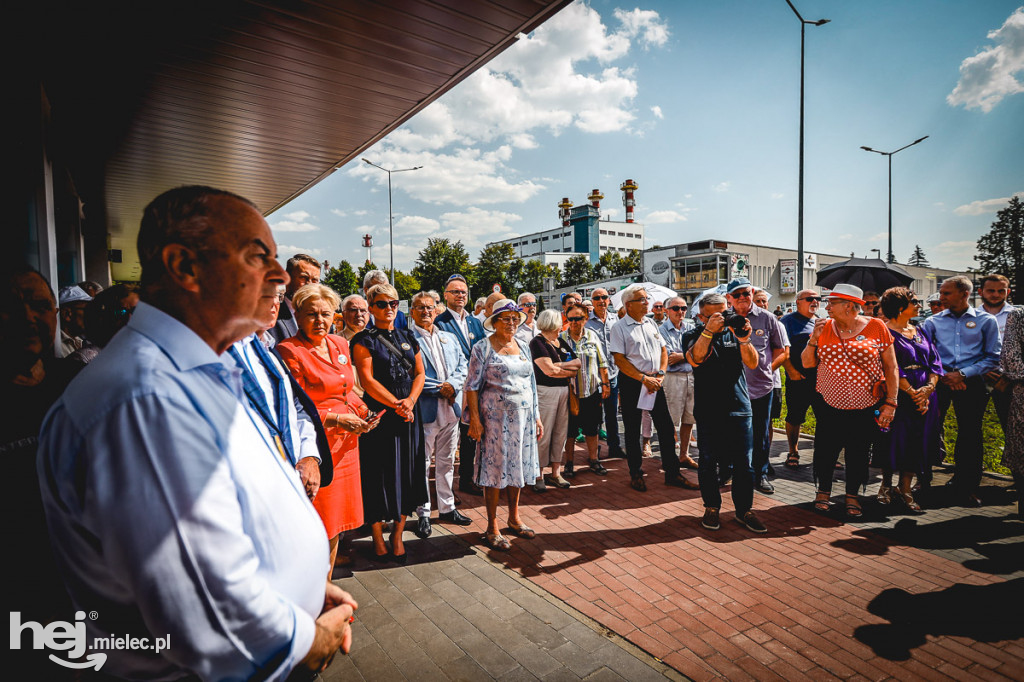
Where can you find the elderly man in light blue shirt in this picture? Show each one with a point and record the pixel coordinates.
(173, 509)
(679, 375)
(601, 321)
(968, 345)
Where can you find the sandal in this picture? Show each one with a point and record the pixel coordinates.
(596, 467)
(821, 501)
(523, 531)
(853, 509)
(884, 494)
(497, 542)
(793, 460)
(910, 502)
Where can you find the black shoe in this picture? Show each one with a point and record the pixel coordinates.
(400, 559)
(454, 516)
(423, 529)
(596, 467)
(637, 483)
(568, 470)
(470, 489)
(710, 520)
(753, 524)
(680, 481)
(724, 479)
(765, 486)
(616, 453)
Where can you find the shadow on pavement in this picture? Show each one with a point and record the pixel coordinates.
(984, 613)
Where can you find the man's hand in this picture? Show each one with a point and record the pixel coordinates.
(652, 384)
(955, 381)
(333, 629)
(715, 323)
(744, 332)
(540, 429)
(447, 391)
(794, 375)
(309, 474)
(676, 357)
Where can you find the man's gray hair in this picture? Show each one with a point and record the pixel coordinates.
(480, 301)
(712, 299)
(374, 277)
(351, 297)
(674, 298)
(436, 296)
(522, 297)
(549, 320)
(422, 294)
(630, 292)
(960, 282)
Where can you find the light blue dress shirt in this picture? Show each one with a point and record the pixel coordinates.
(969, 343)
(674, 342)
(172, 513)
(603, 331)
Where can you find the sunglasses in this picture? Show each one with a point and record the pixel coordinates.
(383, 305)
(575, 319)
(915, 301)
(530, 305)
(677, 308)
(811, 298)
(741, 294)
(598, 298)
(456, 276)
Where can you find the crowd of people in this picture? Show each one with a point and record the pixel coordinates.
(190, 396)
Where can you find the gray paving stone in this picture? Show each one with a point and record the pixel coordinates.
(561, 675)
(580, 661)
(518, 674)
(629, 666)
(341, 669)
(537, 631)
(465, 669)
(538, 662)
(442, 651)
(583, 636)
(487, 654)
(374, 664)
(453, 595)
(603, 675)
(374, 617)
(450, 621)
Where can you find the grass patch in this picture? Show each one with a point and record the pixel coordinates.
(992, 433)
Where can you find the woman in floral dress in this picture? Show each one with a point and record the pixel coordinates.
(501, 396)
(1012, 364)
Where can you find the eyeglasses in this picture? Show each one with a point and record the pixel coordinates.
(677, 308)
(382, 305)
(424, 308)
(598, 298)
(575, 319)
(356, 311)
(639, 300)
(741, 294)
(811, 298)
(531, 304)
(658, 306)
(915, 301)
(457, 292)
(508, 319)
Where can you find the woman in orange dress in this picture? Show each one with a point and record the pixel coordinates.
(321, 364)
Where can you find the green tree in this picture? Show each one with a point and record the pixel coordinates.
(492, 268)
(439, 260)
(629, 265)
(918, 258)
(577, 271)
(608, 264)
(363, 269)
(532, 277)
(1001, 249)
(342, 278)
(407, 285)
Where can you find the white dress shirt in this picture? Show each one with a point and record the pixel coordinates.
(640, 341)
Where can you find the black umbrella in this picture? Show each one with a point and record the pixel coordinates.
(870, 274)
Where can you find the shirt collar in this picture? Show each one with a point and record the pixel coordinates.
(182, 345)
(423, 332)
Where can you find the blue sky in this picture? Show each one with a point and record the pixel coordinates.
(698, 102)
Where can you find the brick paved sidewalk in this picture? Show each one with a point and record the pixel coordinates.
(934, 596)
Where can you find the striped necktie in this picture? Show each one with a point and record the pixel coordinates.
(278, 424)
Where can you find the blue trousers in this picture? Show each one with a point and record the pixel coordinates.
(726, 441)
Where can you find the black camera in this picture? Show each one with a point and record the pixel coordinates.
(735, 321)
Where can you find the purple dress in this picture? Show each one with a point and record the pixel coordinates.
(912, 435)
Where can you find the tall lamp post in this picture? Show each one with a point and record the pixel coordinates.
(800, 200)
(391, 221)
(890, 258)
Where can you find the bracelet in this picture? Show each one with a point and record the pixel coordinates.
(891, 402)
(812, 345)
(707, 335)
(744, 343)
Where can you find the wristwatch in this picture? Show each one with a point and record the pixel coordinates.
(660, 373)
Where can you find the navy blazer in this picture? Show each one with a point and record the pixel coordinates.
(458, 368)
(286, 327)
(446, 321)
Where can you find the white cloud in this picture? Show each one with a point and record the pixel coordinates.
(561, 75)
(416, 225)
(879, 237)
(284, 251)
(955, 246)
(778, 195)
(645, 24)
(360, 212)
(722, 186)
(985, 205)
(338, 212)
(989, 76)
(846, 236)
(656, 110)
(658, 217)
(294, 222)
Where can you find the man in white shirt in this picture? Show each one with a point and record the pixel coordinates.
(641, 357)
(528, 329)
(995, 294)
(72, 301)
(173, 510)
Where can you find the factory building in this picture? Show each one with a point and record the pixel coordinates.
(583, 230)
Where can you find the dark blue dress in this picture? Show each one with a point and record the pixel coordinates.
(392, 459)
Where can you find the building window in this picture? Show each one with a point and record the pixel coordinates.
(534, 241)
(604, 231)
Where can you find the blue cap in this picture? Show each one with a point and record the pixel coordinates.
(738, 283)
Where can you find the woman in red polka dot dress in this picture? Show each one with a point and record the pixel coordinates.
(852, 352)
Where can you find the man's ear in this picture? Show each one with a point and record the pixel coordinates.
(182, 266)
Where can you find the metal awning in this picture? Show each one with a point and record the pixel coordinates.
(261, 98)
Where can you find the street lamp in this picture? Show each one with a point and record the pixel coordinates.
(391, 222)
(891, 259)
(800, 200)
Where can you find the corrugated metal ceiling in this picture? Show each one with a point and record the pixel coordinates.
(261, 98)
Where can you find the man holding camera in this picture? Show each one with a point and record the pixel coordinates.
(772, 346)
(720, 352)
